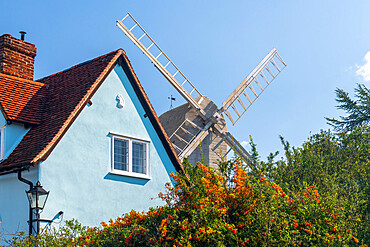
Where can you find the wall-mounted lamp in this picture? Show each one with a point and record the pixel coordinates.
(37, 197)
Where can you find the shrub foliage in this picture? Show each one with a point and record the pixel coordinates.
(227, 207)
(338, 164)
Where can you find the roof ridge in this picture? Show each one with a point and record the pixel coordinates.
(78, 65)
(36, 83)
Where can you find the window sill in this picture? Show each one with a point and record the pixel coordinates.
(130, 174)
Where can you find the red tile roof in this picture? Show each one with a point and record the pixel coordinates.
(20, 99)
(52, 104)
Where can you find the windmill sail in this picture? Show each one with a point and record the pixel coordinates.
(252, 86)
(238, 148)
(160, 60)
(203, 121)
(188, 141)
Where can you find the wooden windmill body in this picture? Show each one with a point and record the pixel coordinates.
(191, 123)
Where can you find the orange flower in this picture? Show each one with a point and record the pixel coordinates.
(308, 231)
(355, 239)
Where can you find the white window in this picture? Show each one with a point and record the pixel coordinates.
(129, 156)
(2, 144)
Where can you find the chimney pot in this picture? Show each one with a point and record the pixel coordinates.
(23, 33)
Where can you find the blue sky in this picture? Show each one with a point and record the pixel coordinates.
(216, 44)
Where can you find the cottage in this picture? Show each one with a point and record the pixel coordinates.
(88, 134)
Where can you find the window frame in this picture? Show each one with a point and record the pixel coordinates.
(2, 142)
(130, 140)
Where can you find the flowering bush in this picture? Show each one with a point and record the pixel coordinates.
(225, 208)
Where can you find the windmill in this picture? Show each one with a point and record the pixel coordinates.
(200, 120)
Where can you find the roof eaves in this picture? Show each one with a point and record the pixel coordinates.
(14, 169)
(36, 83)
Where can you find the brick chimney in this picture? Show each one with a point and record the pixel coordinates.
(16, 57)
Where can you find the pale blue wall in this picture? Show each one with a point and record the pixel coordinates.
(77, 171)
(14, 207)
(13, 135)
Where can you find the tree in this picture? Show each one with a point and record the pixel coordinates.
(338, 164)
(358, 109)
